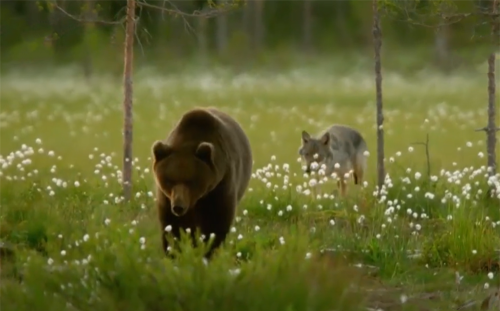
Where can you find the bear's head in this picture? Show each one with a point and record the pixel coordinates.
(184, 175)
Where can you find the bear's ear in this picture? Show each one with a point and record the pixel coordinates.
(305, 137)
(205, 152)
(160, 150)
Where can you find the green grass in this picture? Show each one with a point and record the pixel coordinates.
(78, 246)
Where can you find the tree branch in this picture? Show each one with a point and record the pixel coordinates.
(174, 10)
(196, 13)
(427, 153)
(487, 129)
(187, 25)
(86, 20)
(443, 19)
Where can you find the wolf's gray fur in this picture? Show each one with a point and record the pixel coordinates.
(338, 144)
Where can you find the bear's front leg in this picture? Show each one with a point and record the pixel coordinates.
(166, 222)
(220, 237)
(217, 219)
(165, 225)
(174, 233)
(165, 244)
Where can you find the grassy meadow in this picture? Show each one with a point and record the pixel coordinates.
(429, 243)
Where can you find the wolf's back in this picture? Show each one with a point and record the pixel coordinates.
(352, 137)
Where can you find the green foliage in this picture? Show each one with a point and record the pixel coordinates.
(469, 242)
(418, 7)
(167, 38)
(294, 246)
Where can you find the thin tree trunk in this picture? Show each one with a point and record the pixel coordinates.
(221, 32)
(492, 129)
(442, 47)
(247, 21)
(377, 40)
(307, 26)
(88, 27)
(56, 21)
(247, 25)
(258, 27)
(202, 39)
(342, 10)
(127, 100)
(33, 14)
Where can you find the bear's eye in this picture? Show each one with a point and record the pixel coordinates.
(167, 183)
(189, 184)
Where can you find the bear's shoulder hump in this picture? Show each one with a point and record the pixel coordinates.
(201, 117)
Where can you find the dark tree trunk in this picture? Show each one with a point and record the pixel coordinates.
(492, 128)
(202, 38)
(247, 21)
(307, 26)
(127, 100)
(258, 27)
(221, 32)
(88, 27)
(342, 11)
(377, 40)
(441, 44)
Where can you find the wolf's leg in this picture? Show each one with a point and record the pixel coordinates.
(342, 186)
(355, 165)
(359, 175)
(359, 168)
(338, 187)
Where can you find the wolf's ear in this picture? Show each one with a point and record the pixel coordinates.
(305, 137)
(160, 150)
(325, 139)
(205, 152)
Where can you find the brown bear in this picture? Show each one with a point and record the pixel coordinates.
(202, 171)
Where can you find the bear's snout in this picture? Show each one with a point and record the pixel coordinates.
(179, 200)
(178, 210)
(179, 207)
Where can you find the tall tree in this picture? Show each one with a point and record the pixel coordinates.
(201, 31)
(87, 57)
(258, 24)
(127, 100)
(307, 26)
(221, 32)
(445, 12)
(492, 128)
(130, 28)
(441, 45)
(377, 42)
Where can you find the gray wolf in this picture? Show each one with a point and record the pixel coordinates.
(339, 149)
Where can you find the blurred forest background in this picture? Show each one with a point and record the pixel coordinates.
(257, 34)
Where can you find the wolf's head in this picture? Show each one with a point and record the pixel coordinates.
(314, 150)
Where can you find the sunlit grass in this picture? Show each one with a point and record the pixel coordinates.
(293, 244)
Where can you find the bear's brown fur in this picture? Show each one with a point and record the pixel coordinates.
(202, 171)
